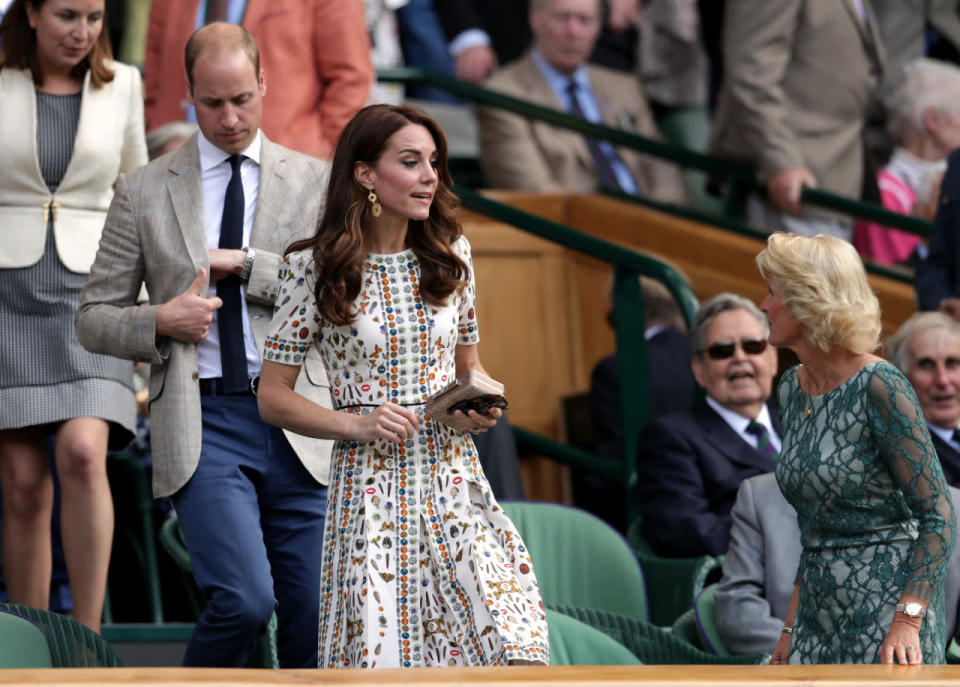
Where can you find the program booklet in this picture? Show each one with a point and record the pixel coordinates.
(472, 391)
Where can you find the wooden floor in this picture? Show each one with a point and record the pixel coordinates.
(578, 676)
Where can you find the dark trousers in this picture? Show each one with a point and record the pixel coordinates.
(252, 517)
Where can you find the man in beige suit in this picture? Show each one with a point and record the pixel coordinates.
(799, 77)
(518, 153)
(251, 500)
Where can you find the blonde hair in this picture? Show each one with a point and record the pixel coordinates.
(823, 286)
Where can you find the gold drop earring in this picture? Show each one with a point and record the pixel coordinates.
(375, 207)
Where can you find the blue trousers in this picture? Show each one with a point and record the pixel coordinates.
(252, 517)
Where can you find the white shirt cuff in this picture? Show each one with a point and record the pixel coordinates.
(471, 38)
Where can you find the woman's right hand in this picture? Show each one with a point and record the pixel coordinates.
(782, 652)
(390, 421)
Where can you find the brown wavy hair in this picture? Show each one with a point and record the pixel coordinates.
(19, 47)
(338, 246)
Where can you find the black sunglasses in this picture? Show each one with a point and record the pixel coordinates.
(726, 349)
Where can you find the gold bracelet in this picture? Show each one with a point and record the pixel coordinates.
(787, 630)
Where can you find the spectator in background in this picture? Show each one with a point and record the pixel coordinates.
(937, 281)
(517, 153)
(72, 121)
(690, 465)
(924, 120)
(485, 34)
(671, 391)
(316, 54)
(168, 137)
(798, 78)
(424, 45)
(672, 63)
(760, 564)
(926, 349)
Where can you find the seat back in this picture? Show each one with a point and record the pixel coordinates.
(573, 643)
(651, 644)
(705, 611)
(71, 643)
(673, 583)
(579, 560)
(22, 644)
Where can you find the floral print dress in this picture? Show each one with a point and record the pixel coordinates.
(420, 564)
(875, 514)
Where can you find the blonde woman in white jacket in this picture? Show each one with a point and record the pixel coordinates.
(72, 122)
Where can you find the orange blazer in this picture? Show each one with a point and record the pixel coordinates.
(315, 55)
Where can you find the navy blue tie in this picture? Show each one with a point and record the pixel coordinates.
(604, 156)
(233, 355)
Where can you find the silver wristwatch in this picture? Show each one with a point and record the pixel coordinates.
(911, 609)
(247, 263)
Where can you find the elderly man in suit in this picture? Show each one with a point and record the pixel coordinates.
(317, 53)
(799, 76)
(690, 465)
(517, 153)
(760, 565)
(251, 500)
(926, 348)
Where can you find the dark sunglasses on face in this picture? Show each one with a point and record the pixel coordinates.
(725, 349)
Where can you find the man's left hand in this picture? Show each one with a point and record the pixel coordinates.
(224, 262)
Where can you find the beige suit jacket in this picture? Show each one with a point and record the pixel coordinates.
(517, 153)
(154, 234)
(109, 141)
(799, 76)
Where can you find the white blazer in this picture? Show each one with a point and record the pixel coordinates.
(109, 140)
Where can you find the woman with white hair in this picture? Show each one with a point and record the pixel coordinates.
(858, 465)
(924, 120)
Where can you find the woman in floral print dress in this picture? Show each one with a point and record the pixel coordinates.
(420, 564)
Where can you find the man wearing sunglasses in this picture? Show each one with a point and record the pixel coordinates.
(690, 465)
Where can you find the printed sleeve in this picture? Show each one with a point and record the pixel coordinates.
(296, 321)
(467, 323)
(904, 442)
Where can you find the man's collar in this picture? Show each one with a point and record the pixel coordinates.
(739, 422)
(942, 432)
(557, 79)
(211, 155)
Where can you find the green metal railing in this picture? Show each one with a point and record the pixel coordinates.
(739, 178)
(630, 326)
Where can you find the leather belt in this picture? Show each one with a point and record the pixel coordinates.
(213, 386)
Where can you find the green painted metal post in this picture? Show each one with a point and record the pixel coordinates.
(635, 407)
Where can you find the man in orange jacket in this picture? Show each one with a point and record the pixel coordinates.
(316, 54)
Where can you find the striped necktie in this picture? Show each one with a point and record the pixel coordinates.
(604, 156)
(764, 445)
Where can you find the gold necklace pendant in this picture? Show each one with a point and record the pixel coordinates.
(807, 411)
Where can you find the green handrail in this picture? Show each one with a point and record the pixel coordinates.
(631, 345)
(739, 176)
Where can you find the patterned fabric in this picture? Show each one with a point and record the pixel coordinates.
(875, 516)
(58, 379)
(764, 445)
(420, 564)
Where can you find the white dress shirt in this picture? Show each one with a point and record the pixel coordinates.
(945, 434)
(738, 423)
(215, 174)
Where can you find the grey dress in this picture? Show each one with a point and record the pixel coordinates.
(46, 376)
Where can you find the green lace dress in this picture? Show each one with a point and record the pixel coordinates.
(874, 511)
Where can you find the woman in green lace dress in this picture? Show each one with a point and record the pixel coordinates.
(858, 466)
